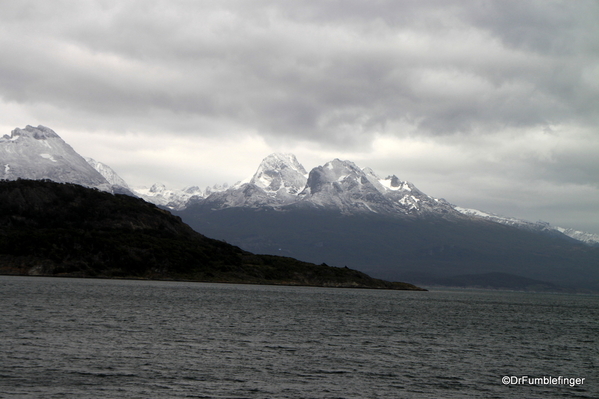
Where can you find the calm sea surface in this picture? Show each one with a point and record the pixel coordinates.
(84, 338)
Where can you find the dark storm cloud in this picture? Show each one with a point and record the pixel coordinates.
(335, 72)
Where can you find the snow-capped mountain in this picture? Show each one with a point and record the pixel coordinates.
(39, 153)
(281, 181)
(504, 220)
(158, 194)
(280, 173)
(343, 185)
(587, 238)
(216, 188)
(119, 185)
(277, 182)
(346, 215)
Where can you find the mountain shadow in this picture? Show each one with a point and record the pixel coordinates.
(397, 247)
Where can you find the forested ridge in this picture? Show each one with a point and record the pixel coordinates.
(59, 229)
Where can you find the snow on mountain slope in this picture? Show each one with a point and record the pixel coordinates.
(174, 199)
(280, 172)
(118, 184)
(217, 188)
(411, 199)
(587, 238)
(344, 186)
(277, 181)
(158, 194)
(39, 153)
(501, 219)
(281, 180)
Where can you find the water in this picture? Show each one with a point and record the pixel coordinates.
(84, 338)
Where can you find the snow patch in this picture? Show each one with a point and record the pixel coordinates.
(48, 156)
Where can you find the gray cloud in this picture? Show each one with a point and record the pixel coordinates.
(325, 71)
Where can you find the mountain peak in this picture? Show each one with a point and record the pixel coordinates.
(280, 172)
(39, 153)
(393, 181)
(157, 188)
(344, 186)
(342, 175)
(37, 133)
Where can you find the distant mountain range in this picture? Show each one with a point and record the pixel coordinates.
(341, 214)
(342, 186)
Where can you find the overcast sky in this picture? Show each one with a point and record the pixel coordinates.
(492, 105)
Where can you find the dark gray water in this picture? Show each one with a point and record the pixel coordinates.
(77, 338)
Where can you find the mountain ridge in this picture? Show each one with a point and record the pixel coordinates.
(390, 196)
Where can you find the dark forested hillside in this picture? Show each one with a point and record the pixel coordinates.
(49, 228)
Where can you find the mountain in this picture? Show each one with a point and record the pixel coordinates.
(278, 180)
(55, 229)
(158, 194)
(386, 227)
(587, 238)
(39, 153)
(281, 180)
(344, 187)
(118, 185)
(280, 174)
(173, 199)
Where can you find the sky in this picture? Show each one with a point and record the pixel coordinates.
(492, 105)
